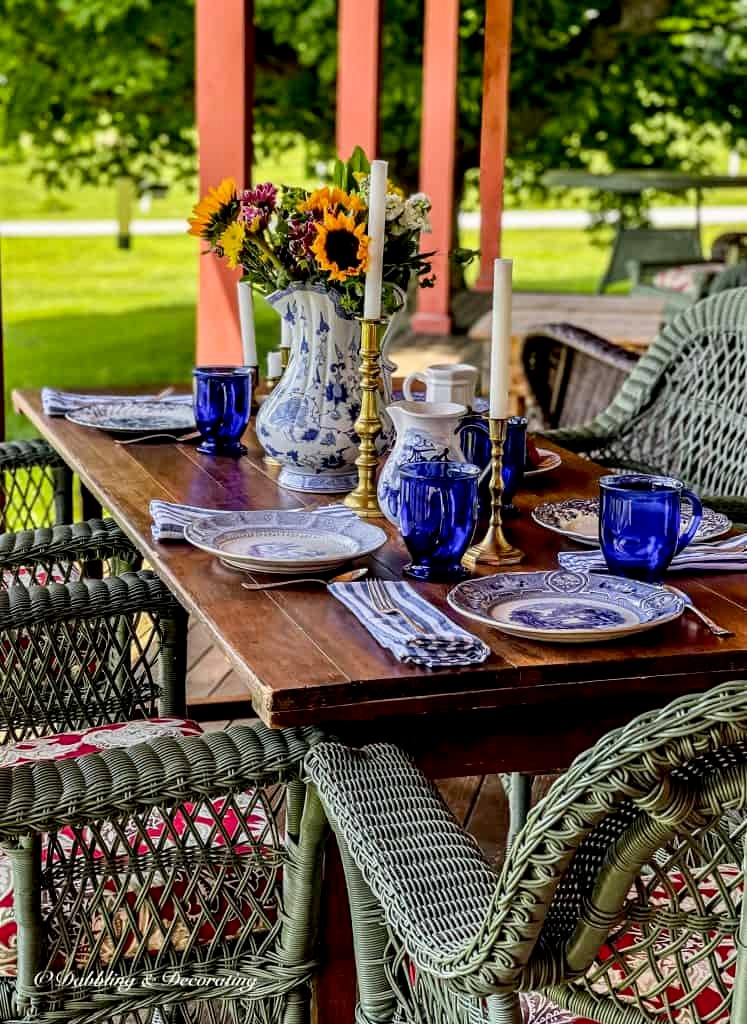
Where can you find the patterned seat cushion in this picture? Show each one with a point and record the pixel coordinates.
(238, 822)
(662, 972)
(685, 279)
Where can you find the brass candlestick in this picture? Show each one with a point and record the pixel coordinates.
(494, 549)
(363, 499)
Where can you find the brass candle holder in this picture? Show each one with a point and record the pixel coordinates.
(494, 549)
(363, 499)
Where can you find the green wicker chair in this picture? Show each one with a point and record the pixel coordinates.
(683, 409)
(620, 899)
(149, 881)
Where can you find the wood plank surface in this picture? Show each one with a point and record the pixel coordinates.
(300, 657)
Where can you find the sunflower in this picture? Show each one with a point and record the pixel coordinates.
(321, 199)
(231, 242)
(340, 247)
(210, 205)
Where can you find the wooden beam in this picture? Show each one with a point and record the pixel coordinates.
(494, 130)
(358, 76)
(224, 99)
(437, 154)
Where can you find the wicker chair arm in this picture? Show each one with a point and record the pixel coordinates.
(117, 595)
(97, 538)
(588, 342)
(25, 454)
(429, 876)
(47, 795)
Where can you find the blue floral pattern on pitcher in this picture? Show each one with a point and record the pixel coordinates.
(308, 421)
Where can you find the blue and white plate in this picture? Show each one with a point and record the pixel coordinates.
(578, 519)
(284, 542)
(565, 607)
(130, 417)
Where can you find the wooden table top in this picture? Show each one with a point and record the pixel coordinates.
(627, 320)
(303, 658)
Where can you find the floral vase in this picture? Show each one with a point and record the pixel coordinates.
(308, 421)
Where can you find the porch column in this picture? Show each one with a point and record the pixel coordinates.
(358, 76)
(224, 101)
(437, 152)
(494, 129)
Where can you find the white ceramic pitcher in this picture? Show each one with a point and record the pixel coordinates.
(426, 432)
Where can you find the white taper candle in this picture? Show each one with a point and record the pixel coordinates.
(246, 323)
(274, 364)
(375, 232)
(500, 345)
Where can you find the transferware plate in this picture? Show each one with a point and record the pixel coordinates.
(578, 519)
(133, 418)
(565, 607)
(284, 542)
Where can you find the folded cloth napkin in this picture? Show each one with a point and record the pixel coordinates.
(169, 518)
(718, 556)
(57, 403)
(443, 645)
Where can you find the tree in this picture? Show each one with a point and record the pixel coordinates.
(105, 86)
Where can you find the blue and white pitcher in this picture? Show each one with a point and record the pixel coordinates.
(308, 421)
(426, 432)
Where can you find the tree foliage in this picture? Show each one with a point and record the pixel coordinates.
(105, 87)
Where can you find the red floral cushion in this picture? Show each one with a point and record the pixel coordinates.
(685, 279)
(217, 822)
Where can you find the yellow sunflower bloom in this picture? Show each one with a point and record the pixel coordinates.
(204, 212)
(340, 246)
(322, 199)
(231, 242)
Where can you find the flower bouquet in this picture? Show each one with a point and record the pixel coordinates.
(281, 236)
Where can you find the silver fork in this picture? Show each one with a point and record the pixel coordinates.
(690, 606)
(383, 603)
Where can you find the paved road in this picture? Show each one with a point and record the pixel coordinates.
(663, 216)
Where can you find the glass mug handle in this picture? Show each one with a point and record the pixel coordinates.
(408, 382)
(483, 427)
(695, 521)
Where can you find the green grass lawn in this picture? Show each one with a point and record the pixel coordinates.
(81, 313)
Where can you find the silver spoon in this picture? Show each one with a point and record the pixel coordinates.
(344, 577)
(692, 607)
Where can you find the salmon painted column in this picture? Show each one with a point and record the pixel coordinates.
(225, 80)
(437, 150)
(494, 130)
(358, 76)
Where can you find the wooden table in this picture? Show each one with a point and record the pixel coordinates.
(302, 658)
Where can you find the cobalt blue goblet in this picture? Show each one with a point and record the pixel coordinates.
(222, 404)
(475, 442)
(640, 528)
(438, 514)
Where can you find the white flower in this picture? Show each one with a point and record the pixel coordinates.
(395, 205)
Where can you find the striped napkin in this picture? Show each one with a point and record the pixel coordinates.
(170, 518)
(443, 645)
(57, 403)
(717, 556)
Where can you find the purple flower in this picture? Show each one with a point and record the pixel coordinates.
(264, 196)
(254, 218)
(301, 234)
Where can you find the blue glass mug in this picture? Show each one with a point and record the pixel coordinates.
(438, 515)
(222, 398)
(640, 528)
(475, 443)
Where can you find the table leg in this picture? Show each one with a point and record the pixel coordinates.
(520, 802)
(335, 989)
(90, 507)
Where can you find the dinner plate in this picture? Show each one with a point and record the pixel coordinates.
(284, 542)
(565, 607)
(133, 418)
(578, 519)
(548, 461)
